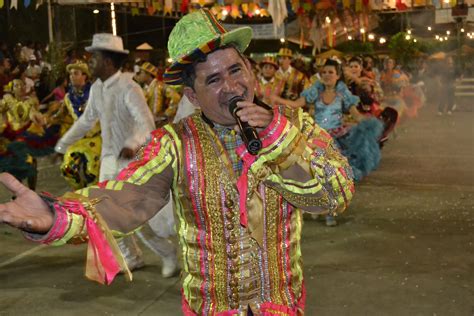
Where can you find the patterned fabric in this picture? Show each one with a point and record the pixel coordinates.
(76, 100)
(196, 35)
(230, 266)
(266, 88)
(359, 143)
(295, 82)
(329, 116)
(18, 112)
(125, 121)
(159, 96)
(231, 141)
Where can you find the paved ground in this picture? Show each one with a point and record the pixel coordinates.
(404, 247)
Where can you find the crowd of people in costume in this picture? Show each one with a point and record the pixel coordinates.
(354, 99)
(238, 213)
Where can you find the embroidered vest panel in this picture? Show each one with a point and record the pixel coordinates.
(224, 268)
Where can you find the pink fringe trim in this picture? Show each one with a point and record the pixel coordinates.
(266, 309)
(268, 136)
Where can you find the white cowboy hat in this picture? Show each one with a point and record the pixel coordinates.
(108, 42)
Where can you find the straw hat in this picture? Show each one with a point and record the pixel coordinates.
(80, 65)
(149, 68)
(196, 35)
(270, 60)
(285, 52)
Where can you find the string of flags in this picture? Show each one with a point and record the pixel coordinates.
(278, 9)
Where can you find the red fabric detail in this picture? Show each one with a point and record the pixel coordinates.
(272, 309)
(268, 136)
(202, 186)
(150, 151)
(184, 6)
(104, 259)
(320, 143)
(151, 10)
(272, 132)
(400, 5)
(59, 226)
(102, 184)
(10, 134)
(187, 311)
(266, 309)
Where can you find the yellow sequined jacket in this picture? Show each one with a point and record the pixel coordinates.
(18, 113)
(295, 82)
(239, 234)
(161, 97)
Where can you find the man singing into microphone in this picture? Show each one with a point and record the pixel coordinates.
(238, 215)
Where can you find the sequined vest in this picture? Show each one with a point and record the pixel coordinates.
(225, 269)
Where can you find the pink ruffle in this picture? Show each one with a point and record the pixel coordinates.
(268, 136)
(266, 309)
(103, 254)
(59, 227)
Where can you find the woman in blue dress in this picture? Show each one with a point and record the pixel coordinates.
(331, 100)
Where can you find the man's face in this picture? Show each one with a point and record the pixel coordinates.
(268, 71)
(78, 79)
(96, 64)
(222, 76)
(285, 62)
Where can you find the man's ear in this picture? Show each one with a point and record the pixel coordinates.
(191, 95)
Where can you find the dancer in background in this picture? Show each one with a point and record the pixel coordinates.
(267, 83)
(118, 103)
(295, 81)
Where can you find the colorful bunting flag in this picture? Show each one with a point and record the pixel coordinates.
(157, 4)
(150, 9)
(184, 6)
(168, 7)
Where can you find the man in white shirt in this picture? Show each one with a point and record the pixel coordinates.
(125, 119)
(33, 70)
(27, 51)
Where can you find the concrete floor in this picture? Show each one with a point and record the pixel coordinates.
(404, 247)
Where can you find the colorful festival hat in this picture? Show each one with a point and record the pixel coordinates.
(285, 52)
(80, 65)
(270, 60)
(196, 35)
(149, 68)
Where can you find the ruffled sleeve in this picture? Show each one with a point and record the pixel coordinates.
(348, 99)
(312, 93)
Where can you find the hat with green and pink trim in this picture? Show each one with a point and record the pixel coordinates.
(196, 35)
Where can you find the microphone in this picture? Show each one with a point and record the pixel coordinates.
(249, 134)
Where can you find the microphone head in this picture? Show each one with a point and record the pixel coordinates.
(233, 104)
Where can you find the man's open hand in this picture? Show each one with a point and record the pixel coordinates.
(28, 211)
